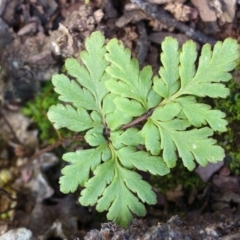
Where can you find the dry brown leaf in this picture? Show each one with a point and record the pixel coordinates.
(181, 11)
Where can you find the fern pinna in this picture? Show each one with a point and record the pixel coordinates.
(134, 121)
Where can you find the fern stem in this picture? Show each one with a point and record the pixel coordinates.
(138, 120)
(150, 111)
(55, 145)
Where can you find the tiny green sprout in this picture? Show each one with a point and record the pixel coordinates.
(135, 121)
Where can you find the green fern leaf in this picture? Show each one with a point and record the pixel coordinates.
(121, 88)
(153, 99)
(90, 75)
(213, 67)
(106, 152)
(166, 112)
(95, 186)
(72, 174)
(192, 144)
(168, 84)
(195, 144)
(131, 107)
(95, 137)
(66, 116)
(130, 137)
(119, 199)
(68, 91)
(142, 161)
(152, 137)
(135, 183)
(200, 114)
(188, 58)
(114, 117)
(133, 83)
(133, 121)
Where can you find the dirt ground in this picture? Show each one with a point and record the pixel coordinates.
(35, 38)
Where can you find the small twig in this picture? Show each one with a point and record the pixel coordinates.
(55, 145)
(142, 42)
(152, 10)
(16, 139)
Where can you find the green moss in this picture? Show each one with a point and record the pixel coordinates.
(230, 140)
(37, 109)
(178, 176)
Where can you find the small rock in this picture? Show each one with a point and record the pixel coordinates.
(206, 14)
(205, 173)
(227, 184)
(17, 234)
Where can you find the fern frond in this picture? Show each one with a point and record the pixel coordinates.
(90, 75)
(69, 89)
(66, 116)
(119, 197)
(133, 121)
(199, 114)
(130, 137)
(168, 83)
(73, 174)
(213, 68)
(140, 160)
(127, 80)
(94, 187)
(152, 137)
(114, 117)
